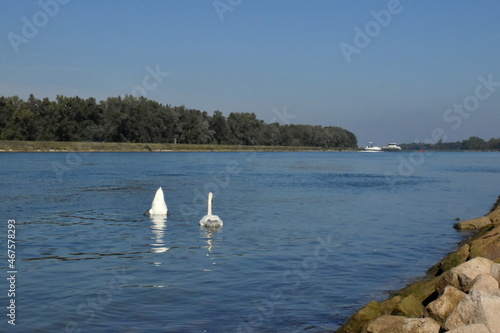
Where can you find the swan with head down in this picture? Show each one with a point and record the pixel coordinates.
(158, 207)
(210, 220)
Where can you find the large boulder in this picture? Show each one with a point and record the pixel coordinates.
(474, 224)
(408, 307)
(382, 324)
(441, 308)
(484, 282)
(389, 304)
(398, 324)
(487, 246)
(461, 276)
(479, 307)
(474, 328)
(495, 272)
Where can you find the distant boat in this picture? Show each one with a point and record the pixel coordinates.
(391, 147)
(371, 148)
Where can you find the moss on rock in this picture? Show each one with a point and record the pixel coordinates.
(455, 258)
(421, 290)
(409, 307)
(388, 305)
(361, 318)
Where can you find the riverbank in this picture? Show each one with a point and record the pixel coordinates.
(62, 146)
(459, 294)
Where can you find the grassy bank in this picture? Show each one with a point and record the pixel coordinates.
(60, 146)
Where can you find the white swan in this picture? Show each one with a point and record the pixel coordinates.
(158, 207)
(210, 220)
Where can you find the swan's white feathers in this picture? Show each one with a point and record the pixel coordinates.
(210, 220)
(158, 207)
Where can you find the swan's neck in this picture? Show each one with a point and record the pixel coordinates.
(210, 198)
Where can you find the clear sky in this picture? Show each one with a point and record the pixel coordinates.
(389, 71)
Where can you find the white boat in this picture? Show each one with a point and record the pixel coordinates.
(371, 148)
(391, 147)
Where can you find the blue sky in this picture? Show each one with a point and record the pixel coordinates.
(413, 64)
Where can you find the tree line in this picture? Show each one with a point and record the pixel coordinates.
(140, 120)
(472, 143)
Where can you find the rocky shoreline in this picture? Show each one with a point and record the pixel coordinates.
(460, 294)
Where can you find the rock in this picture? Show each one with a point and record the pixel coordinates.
(388, 305)
(473, 224)
(484, 282)
(422, 289)
(448, 278)
(495, 272)
(356, 323)
(474, 328)
(454, 259)
(441, 308)
(487, 246)
(408, 307)
(461, 276)
(398, 324)
(494, 214)
(382, 324)
(420, 325)
(479, 307)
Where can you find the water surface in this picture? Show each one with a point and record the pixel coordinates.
(308, 238)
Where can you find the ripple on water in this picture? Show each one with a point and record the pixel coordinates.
(88, 254)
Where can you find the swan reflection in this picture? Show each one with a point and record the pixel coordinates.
(158, 228)
(208, 233)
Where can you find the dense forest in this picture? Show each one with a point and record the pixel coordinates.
(473, 143)
(140, 120)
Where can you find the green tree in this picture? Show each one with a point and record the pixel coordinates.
(137, 119)
(245, 128)
(474, 143)
(218, 124)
